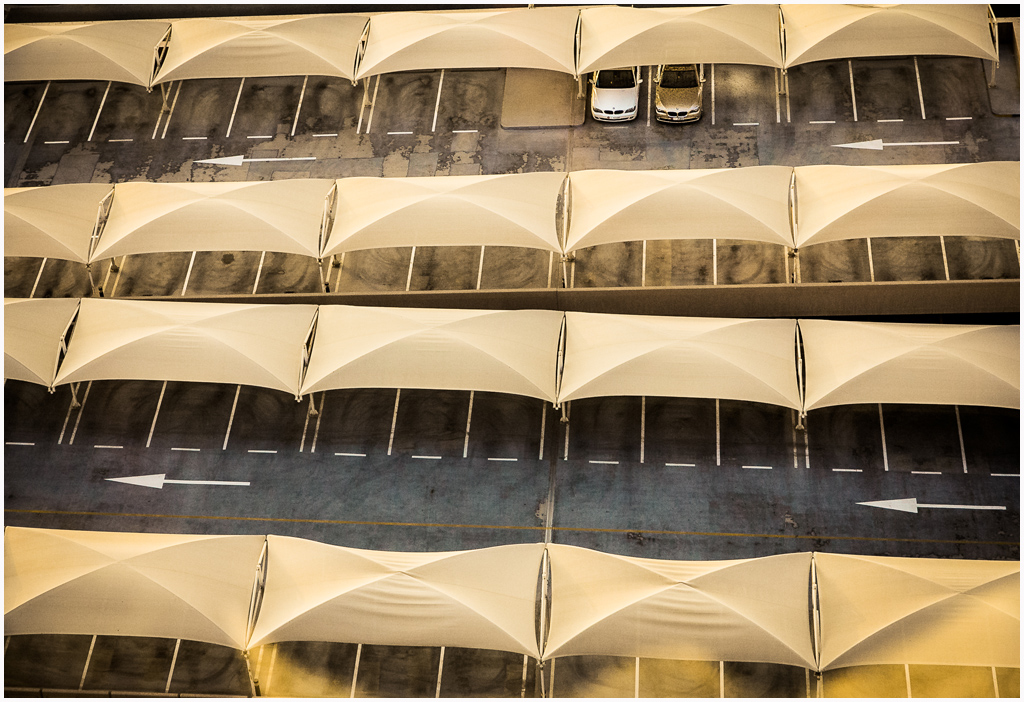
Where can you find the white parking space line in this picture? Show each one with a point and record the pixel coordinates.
(273, 659)
(502, 459)
(714, 262)
(399, 133)
(551, 265)
(231, 419)
(718, 435)
(1004, 475)
(19, 443)
(437, 102)
(355, 669)
(238, 97)
(643, 267)
(465, 131)
(412, 259)
(680, 465)
(888, 120)
(920, 93)
(853, 91)
(332, 134)
(103, 446)
(120, 269)
(103, 102)
(88, 658)
(261, 136)
(316, 429)
(871, 261)
(712, 94)
(67, 417)
(926, 472)
(643, 424)
(351, 455)
(957, 119)
(170, 114)
(159, 401)
(746, 124)
(259, 271)
(81, 409)
(302, 94)
(881, 423)
(429, 458)
(543, 423)
(181, 448)
(480, 270)
(565, 456)
(174, 659)
(822, 121)
(796, 460)
(721, 678)
(36, 115)
(440, 669)
(193, 138)
(945, 261)
(394, 419)
(757, 467)
(56, 142)
(115, 141)
(847, 470)
(373, 104)
(39, 275)
(650, 82)
(188, 273)
(778, 104)
(785, 82)
(261, 451)
(469, 418)
(636, 679)
(605, 463)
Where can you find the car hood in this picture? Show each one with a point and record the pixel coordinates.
(678, 98)
(614, 98)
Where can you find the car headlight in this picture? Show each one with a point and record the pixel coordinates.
(631, 109)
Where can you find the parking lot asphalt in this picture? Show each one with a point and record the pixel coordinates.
(420, 470)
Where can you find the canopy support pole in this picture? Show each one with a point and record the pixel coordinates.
(324, 283)
(75, 404)
(312, 407)
(994, 26)
(92, 283)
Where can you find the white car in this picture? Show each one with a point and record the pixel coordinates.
(616, 94)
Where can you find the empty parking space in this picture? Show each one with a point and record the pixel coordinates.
(608, 266)
(977, 258)
(305, 669)
(471, 672)
(604, 430)
(356, 421)
(744, 96)
(445, 268)
(119, 413)
(330, 106)
(470, 100)
(397, 671)
(21, 100)
(68, 112)
(266, 108)
(373, 269)
(507, 427)
(593, 676)
(32, 414)
(749, 263)
(431, 424)
(953, 87)
(819, 93)
(287, 273)
(267, 420)
(54, 661)
(20, 275)
(507, 267)
(212, 272)
(56, 278)
(212, 669)
(144, 275)
(194, 416)
(129, 663)
(756, 436)
(909, 258)
(403, 104)
(667, 678)
(922, 439)
(683, 262)
(886, 90)
(846, 438)
(679, 431)
(835, 262)
(991, 439)
(129, 114)
(200, 109)
(752, 680)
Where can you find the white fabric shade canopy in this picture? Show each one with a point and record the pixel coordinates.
(122, 51)
(826, 31)
(612, 36)
(736, 359)
(283, 216)
(753, 610)
(322, 45)
(442, 349)
(124, 584)
(536, 37)
(855, 202)
(941, 364)
(483, 598)
(722, 203)
(56, 221)
(259, 345)
(494, 210)
(926, 611)
(33, 330)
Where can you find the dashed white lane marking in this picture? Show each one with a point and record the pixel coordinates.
(926, 472)
(889, 120)
(261, 136)
(758, 467)
(333, 134)
(1005, 475)
(176, 448)
(429, 458)
(399, 132)
(20, 443)
(262, 451)
(193, 138)
(956, 119)
(56, 142)
(114, 141)
(465, 131)
(822, 121)
(352, 455)
(745, 124)
(102, 446)
(502, 459)
(606, 463)
(681, 465)
(847, 470)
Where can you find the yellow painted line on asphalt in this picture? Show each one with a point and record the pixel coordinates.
(344, 522)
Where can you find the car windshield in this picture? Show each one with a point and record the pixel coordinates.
(618, 78)
(679, 78)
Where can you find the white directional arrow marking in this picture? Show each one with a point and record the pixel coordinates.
(910, 504)
(239, 160)
(877, 145)
(158, 480)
